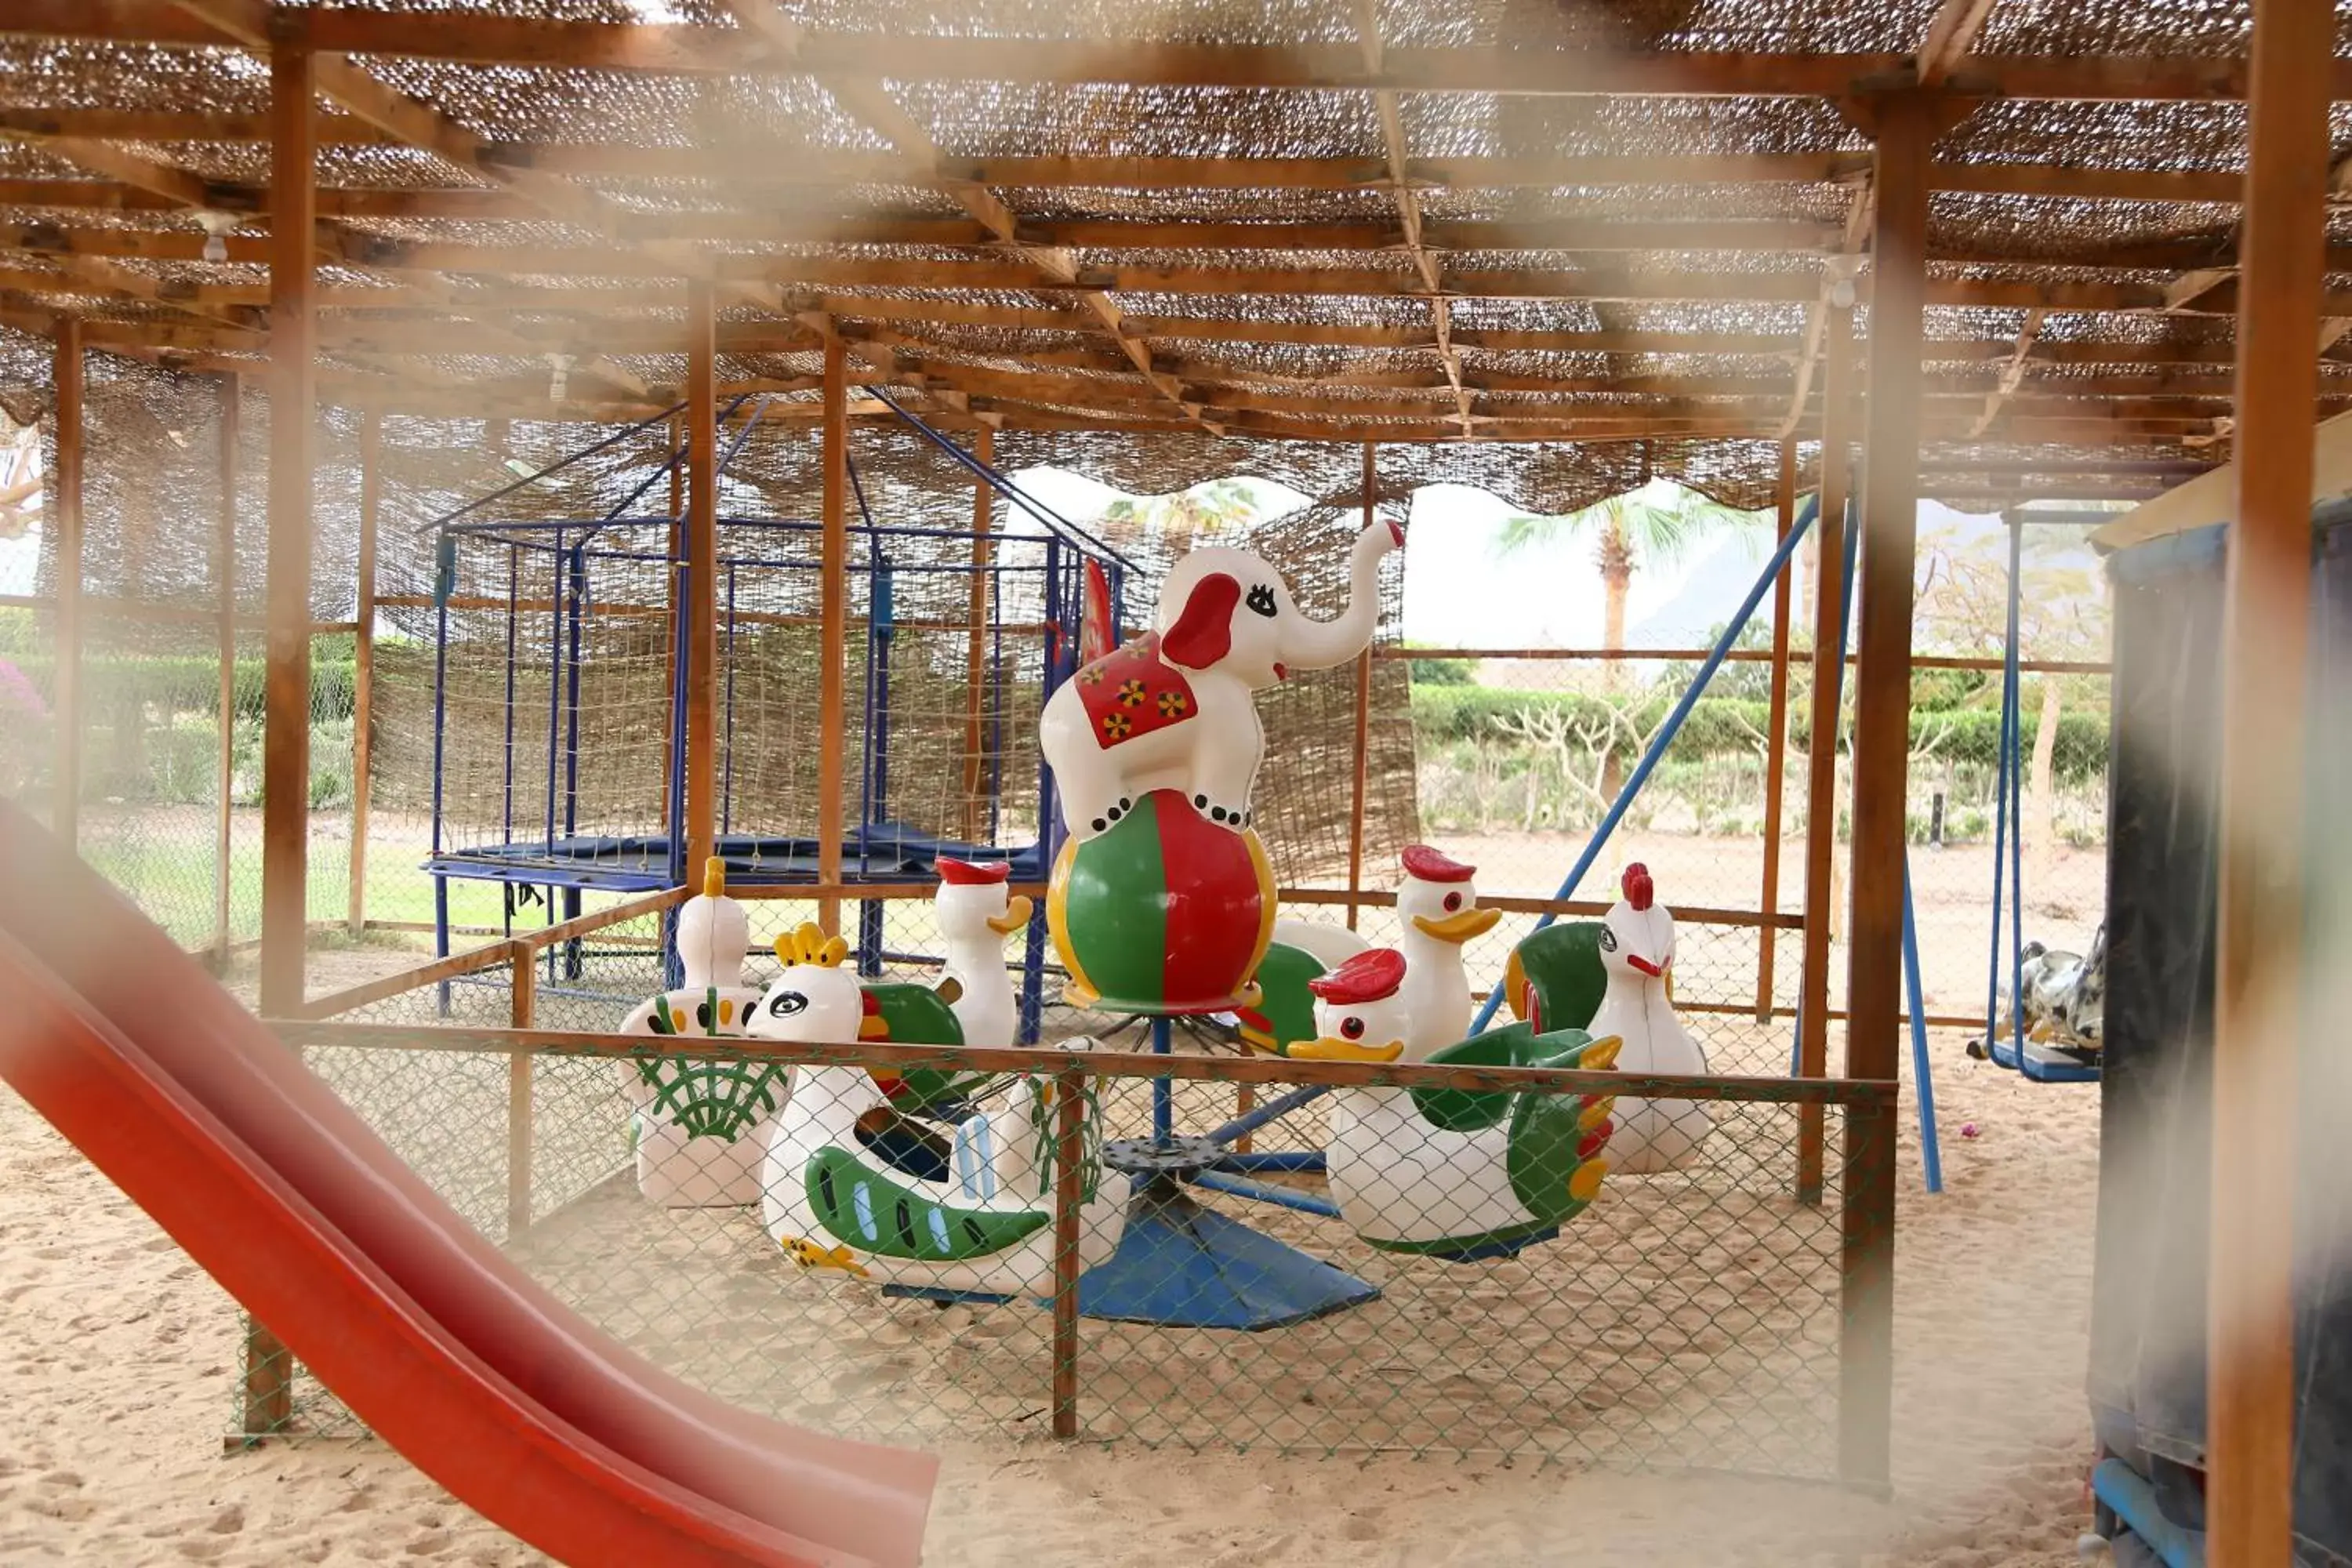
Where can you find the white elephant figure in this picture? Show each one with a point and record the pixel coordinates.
(1173, 708)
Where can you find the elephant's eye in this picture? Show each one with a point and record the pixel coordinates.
(1261, 599)
(1353, 1028)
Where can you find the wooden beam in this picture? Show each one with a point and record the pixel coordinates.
(2259, 977)
(1821, 912)
(700, 538)
(978, 672)
(1952, 36)
(481, 38)
(285, 730)
(832, 603)
(65, 499)
(2012, 374)
(1776, 743)
(1906, 131)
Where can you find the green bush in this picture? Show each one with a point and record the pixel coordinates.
(1722, 726)
(190, 683)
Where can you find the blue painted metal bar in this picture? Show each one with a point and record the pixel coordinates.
(995, 478)
(1931, 1152)
(1265, 1192)
(2000, 798)
(670, 463)
(2131, 1498)
(1266, 1115)
(557, 466)
(554, 684)
(1291, 1159)
(440, 743)
(579, 613)
(1164, 1097)
(1665, 736)
(507, 783)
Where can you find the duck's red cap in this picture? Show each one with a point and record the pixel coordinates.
(1372, 977)
(1432, 866)
(1638, 890)
(967, 874)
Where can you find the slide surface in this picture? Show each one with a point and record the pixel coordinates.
(441, 1345)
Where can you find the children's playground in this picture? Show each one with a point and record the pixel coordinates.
(804, 887)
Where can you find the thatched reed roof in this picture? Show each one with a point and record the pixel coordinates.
(1511, 221)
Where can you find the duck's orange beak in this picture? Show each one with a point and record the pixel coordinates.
(1458, 929)
(1330, 1048)
(1015, 916)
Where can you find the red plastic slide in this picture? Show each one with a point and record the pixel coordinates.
(440, 1343)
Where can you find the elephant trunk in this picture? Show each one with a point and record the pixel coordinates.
(1319, 645)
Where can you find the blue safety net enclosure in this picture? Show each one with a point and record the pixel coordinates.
(2149, 1366)
(529, 706)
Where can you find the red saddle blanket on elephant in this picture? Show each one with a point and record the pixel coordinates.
(1132, 691)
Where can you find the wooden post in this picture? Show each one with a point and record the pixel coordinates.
(65, 502)
(524, 965)
(1820, 750)
(225, 585)
(286, 740)
(1906, 127)
(1775, 746)
(2265, 651)
(1069, 1190)
(363, 662)
(1362, 784)
(976, 663)
(833, 720)
(701, 602)
(286, 736)
(677, 555)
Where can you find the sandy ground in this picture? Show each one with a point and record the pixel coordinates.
(120, 1352)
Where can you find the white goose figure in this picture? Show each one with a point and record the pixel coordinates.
(1405, 1183)
(1437, 904)
(976, 916)
(832, 1200)
(699, 1126)
(1637, 950)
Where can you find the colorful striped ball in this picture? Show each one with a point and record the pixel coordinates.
(1167, 913)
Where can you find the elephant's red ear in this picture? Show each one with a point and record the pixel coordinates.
(1203, 633)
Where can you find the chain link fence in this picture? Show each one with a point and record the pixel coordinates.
(932, 1245)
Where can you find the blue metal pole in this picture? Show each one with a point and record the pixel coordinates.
(1265, 1192)
(1665, 736)
(2017, 805)
(1033, 956)
(565, 462)
(1164, 1097)
(440, 747)
(1292, 1159)
(2001, 802)
(555, 683)
(507, 780)
(1055, 524)
(1931, 1153)
(1266, 1115)
(726, 729)
(578, 612)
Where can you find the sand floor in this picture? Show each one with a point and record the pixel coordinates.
(118, 1372)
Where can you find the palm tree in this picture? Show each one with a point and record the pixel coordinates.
(1651, 526)
(1209, 508)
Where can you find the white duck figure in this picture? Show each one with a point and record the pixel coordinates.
(699, 1125)
(1637, 954)
(1437, 904)
(833, 1199)
(1467, 1183)
(976, 915)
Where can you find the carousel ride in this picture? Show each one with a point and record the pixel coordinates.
(1161, 906)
